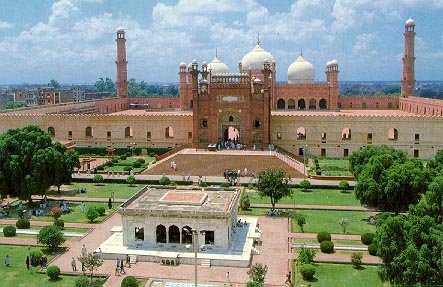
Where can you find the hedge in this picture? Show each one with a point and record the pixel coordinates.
(327, 247)
(372, 249)
(23, 223)
(118, 151)
(323, 236)
(129, 281)
(53, 272)
(367, 238)
(9, 231)
(307, 271)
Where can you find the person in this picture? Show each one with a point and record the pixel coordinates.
(7, 261)
(83, 207)
(84, 251)
(122, 267)
(228, 281)
(73, 264)
(100, 254)
(288, 278)
(128, 261)
(27, 263)
(117, 267)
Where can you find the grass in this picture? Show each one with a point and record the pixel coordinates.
(313, 197)
(333, 167)
(342, 275)
(119, 167)
(119, 190)
(66, 229)
(18, 276)
(327, 220)
(336, 242)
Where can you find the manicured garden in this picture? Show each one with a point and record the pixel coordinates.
(126, 163)
(18, 276)
(77, 215)
(104, 190)
(312, 197)
(341, 275)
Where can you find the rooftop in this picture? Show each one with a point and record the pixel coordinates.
(192, 202)
(349, 113)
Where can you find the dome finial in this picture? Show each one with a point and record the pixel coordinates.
(258, 38)
(216, 54)
(301, 51)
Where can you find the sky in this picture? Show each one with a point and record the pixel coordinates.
(73, 41)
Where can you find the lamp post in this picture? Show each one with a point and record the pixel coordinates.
(133, 144)
(194, 234)
(305, 147)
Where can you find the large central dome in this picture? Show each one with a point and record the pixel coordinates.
(300, 71)
(254, 59)
(218, 67)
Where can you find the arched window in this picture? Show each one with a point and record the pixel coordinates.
(301, 133)
(323, 104)
(291, 104)
(393, 134)
(301, 104)
(89, 132)
(191, 104)
(231, 119)
(128, 132)
(161, 234)
(281, 104)
(169, 133)
(346, 134)
(312, 104)
(339, 105)
(51, 131)
(186, 235)
(174, 234)
(363, 105)
(389, 105)
(139, 234)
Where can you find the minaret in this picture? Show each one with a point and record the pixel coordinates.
(408, 77)
(332, 80)
(122, 72)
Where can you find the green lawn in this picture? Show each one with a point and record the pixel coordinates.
(119, 167)
(342, 275)
(66, 229)
(333, 167)
(336, 242)
(76, 214)
(18, 276)
(314, 196)
(327, 220)
(120, 190)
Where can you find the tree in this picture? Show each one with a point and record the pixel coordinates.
(51, 236)
(91, 262)
(130, 180)
(300, 219)
(257, 274)
(98, 179)
(344, 223)
(54, 84)
(105, 86)
(28, 162)
(305, 255)
(343, 185)
(356, 258)
(92, 214)
(129, 281)
(273, 183)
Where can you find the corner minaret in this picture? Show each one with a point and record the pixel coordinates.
(122, 72)
(408, 77)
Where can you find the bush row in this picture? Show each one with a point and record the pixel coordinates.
(103, 151)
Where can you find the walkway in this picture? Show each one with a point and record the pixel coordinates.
(316, 207)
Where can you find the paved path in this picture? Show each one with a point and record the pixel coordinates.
(35, 232)
(336, 247)
(46, 223)
(31, 241)
(306, 206)
(78, 199)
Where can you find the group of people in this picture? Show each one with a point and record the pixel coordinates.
(64, 206)
(121, 264)
(174, 165)
(31, 261)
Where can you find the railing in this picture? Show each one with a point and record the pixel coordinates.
(290, 159)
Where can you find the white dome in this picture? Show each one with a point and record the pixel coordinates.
(254, 59)
(120, 29)
(410, 22)
(182, 65)
(300, 71)
(218, 67)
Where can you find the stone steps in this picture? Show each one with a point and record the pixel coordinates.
(206, 263)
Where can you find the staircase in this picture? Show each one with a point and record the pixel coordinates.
(206, 263)
(132, 259)
(255, 251)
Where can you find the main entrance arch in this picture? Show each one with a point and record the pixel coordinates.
(230, 127)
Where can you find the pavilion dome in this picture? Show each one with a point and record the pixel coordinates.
(218, 67)
(255, 58)
(300, 71)
(410, 22)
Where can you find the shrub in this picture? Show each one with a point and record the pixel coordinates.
(101, 210)
(115, 160)
(327, 247)
(37, 254)
(307, 272)
(128, 154)
(344, 223)
(306, 256)
(123, 157)
(50, 236)
(152, 154)
(305, 185)
(141, 160)
(245, 203)
(98, 179)
(129, 281)
(164, 180)
(59, 222)
(323, 236)
(300, 219)
(343, 185)
(110, 163)
(136, 164)
(372, 249)
(92, 214)
(23, 223)
(367, 238)
(127, 168)
(203, 184)
(56, 212)
(9, 231)
(356, 258)
(82, 281)
(130, 180)
(101, 167)
(53, 272)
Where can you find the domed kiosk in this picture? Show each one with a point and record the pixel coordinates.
(300, 71)
(217, 67)
(255, 58)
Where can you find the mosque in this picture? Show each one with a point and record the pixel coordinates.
(249, 106)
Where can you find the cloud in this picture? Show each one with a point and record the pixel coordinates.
(62, 10)
(363, 45)
(6, 25)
